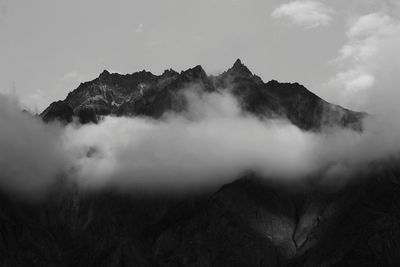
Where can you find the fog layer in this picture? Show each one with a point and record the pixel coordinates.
(212, 143)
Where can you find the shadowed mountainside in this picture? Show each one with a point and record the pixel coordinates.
(246, 223)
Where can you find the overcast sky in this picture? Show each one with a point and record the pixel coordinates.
(47, 47)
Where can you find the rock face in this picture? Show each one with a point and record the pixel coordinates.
(143, 93)
(58, 111)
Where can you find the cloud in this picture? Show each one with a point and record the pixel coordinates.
(367, 64)
(353, 85)
(371, 24)
(210, 144)
(308, 14)
(139, 28)
(30, 153)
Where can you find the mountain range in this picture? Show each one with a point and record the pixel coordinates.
(248, 222)
(145, 94)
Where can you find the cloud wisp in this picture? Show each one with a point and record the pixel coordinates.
(307, 14)
(367, 65)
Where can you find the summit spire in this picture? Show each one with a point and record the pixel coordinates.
(239, 68)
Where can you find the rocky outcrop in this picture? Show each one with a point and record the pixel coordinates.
(60, 111)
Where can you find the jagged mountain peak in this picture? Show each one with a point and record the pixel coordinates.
(169, 72)
(145, 94)
(239, 68)
(104, 73)
(238, 64)
(104, 76)
(195, 72)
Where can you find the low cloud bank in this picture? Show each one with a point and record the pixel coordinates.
(210, 144)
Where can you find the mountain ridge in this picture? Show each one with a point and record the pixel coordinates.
(145, 94)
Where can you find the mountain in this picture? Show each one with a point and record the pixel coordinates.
(248, 222)
(145, 94)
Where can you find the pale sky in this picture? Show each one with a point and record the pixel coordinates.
(336, 48)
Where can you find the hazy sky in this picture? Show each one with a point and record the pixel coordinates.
(47, 47)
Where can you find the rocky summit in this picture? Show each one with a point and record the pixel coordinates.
(145, 94)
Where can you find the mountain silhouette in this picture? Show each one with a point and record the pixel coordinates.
(145, 94)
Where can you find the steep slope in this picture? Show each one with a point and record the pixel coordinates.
(363, 226)
(145, 94)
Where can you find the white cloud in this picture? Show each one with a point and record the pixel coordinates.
(371, 24)
(366, 35)
(356, 80)
(353, 84)
(212, 143)
(368, 62)
(305, 13)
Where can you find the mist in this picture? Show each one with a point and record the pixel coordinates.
(210, 144)
(31, 156)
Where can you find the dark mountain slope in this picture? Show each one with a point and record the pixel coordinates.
(145, 94)
(246, 223)
(363, 229)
